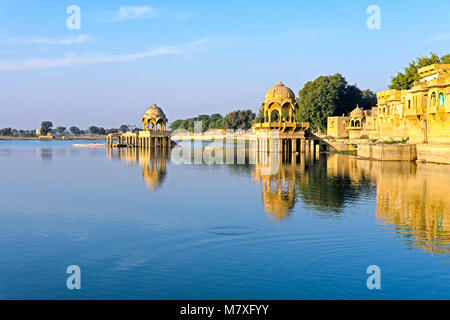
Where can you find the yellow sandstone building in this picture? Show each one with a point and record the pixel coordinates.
(279, 131)
(419, 115)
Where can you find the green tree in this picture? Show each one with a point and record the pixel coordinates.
(215, 121)
(124, 128)
(175, 125)
(239, 119)
(60, 130)
(369, 99)
(325, 97)
(46, 127)
(190, 124)
(75, 130)
(405, 80)
(6, 132)
(93, 130)
(204, 118)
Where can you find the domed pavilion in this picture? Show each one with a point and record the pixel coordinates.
(154, 119)
(279, 104)
(279, 131)
(154, 133)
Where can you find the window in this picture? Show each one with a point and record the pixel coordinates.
(409, 104)
(441, 99)
(433, 100)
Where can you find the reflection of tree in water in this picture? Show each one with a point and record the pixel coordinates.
(326, 184)
(46, 154)
(324, 191)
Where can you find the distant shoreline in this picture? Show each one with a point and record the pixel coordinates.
(55, 138)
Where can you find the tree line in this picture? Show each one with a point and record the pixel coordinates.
(235, 120)
(47, 127)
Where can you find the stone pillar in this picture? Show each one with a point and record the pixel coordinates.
(294, 145)
(302, 145)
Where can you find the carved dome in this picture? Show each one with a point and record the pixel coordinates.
(154, 113)
(280, 93)
(357, 112)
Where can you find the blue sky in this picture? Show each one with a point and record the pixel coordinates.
(194, 57)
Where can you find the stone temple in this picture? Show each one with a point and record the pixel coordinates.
(279, 131)
(154, 134)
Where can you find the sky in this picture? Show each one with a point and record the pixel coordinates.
(196, 57)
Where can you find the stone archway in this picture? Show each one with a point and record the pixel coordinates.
(275, 116)
(433, 101)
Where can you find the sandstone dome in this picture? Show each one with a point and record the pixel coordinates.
(280, 93)
(154, 113)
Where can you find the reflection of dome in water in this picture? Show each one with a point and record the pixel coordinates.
(280, 204)
(154, 176)
(280, 93)
(278, 194)
(153, 163)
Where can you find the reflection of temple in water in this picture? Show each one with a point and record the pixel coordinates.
(410, 197)
(413, 198)
(278, 180)
(152, 160)
(324, 184)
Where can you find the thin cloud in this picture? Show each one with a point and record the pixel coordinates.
(50, 41)
(76, 60)
(135, 12)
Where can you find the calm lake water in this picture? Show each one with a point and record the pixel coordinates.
(143, 227)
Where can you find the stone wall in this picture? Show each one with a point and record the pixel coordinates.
(398, 152)
(437, 153)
